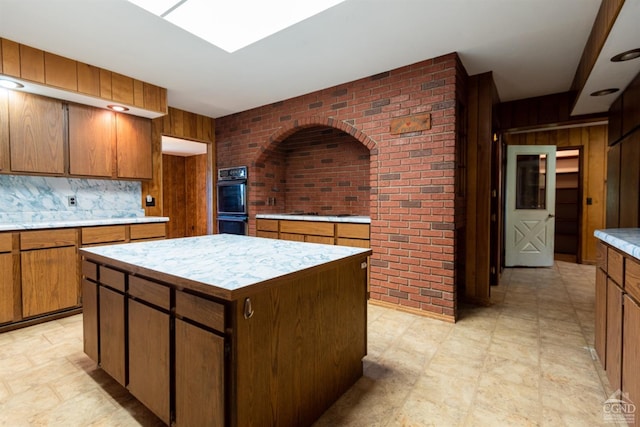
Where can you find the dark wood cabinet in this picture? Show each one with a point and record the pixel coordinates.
(112, 333)
(613, 358)
(36, 134)
(92, 141)
(133, 136)
(631, 351)
(90, 318)
(4, 131)
(6, 278)
(601, 315)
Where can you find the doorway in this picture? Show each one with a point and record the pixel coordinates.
(184, 187)
(568, 204)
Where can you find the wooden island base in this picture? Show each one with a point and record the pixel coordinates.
(276, 353)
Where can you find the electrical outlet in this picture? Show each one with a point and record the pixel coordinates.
(72, 200)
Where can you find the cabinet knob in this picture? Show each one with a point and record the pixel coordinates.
(248, 310)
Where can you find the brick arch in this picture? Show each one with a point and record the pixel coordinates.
(283, 133)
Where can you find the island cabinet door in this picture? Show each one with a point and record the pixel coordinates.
(631, 353)
(112, 334)
(149, 370)
(199, 376)
(601, 316)
(613, 346)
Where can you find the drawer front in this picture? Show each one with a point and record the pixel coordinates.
(615, 265)
(357, 243)
(151, 292)
(6, 240)
(112, 278)
(601, 255)
(307, 227)
(319, 239)
(107, 234)
(43, 239)
(90, 270)
(267, 234)
(148, 231)
(267, 224)
(632, 278)
(208, 313)
(353, 231)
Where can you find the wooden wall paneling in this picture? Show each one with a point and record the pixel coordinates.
(594, 187)
(122, 89)
(4, 131)
(630, 181)
(154, 185)
(31, 64)
(152, 97)
(613, 187)
(92, 141)
(88, 79)
(174, 190)
(36, 142)
(631, 104)
(196, 203)
(472, 192)
(10, 58)
(615, 121)
(105, 84)
(60, 72)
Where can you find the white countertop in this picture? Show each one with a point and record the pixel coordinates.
(225, 261)
(625, 239)
(35, 225)
(321, 218)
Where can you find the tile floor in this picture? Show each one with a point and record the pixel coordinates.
(525, 360)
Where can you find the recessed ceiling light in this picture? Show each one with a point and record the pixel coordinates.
(118, 108)
(604, 92)
(626, 56)
(232, 25)
(10, 84)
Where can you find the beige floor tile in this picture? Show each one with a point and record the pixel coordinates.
(481, 416)
(496, 394)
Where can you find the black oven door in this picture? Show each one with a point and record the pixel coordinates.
(232, 225)
(232, 197)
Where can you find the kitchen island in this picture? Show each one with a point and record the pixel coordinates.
(226, 329)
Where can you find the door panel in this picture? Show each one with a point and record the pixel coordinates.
(530, 205)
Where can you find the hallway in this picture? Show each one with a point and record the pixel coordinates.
(522, 361)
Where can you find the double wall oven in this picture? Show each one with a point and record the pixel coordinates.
(232, 200)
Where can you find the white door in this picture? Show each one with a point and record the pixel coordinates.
(530, 205)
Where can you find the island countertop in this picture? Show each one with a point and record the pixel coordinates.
(625, 239)
(221, 265)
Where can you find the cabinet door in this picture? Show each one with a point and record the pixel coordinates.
(112, 334)
(149, 370)
(90, 319)
(36, 134)
(614, 335)
(49, 280)
(133, 135)
(92, 141)
(199, 376)
(631, 352)
(4, 131)
(601, 316)
(6, 288)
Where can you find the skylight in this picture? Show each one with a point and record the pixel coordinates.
(234, 24)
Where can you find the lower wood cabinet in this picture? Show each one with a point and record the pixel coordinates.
(112, 333)
(631, 351)
(328, 233)
(601, 315)
(6, 288)
(613, 356)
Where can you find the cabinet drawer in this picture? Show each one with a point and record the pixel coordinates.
(112, 278)
(267, 234)
(107, 234)
(357, 243)
(307, 227)
(601, 255)
(6, 242)
(615, 265)
(632, 278)
(151, 292)
(353, 231)
(267, 224)
(148, 231)
(90, 270)
(48, 239)
(200, 310)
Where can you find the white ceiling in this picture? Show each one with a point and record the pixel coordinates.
(532, 46)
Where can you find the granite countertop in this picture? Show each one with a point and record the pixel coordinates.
(225, 261)
(625, 239)
(323, 218)
(36, 225)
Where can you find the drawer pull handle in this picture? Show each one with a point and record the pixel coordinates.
(363, 265)
(248, 310)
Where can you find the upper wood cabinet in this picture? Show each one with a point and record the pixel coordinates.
(133, 136)
(36, 136)
(92, 140)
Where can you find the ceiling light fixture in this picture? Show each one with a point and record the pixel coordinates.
(232, 25)
(10, 84)
(118, 108)
(626, 56)
(604, 92)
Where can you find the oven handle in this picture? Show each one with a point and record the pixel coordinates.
(233, 218)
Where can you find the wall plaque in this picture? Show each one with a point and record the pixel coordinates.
(414, 123)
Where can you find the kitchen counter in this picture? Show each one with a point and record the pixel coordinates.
(625, 239)
(37, 225)
(320, 218)
(218, 330)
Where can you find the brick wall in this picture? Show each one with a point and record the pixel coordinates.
(411, 175)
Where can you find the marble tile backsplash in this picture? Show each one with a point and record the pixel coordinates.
(34, 198)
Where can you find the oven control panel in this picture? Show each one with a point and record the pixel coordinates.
(228, 174)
